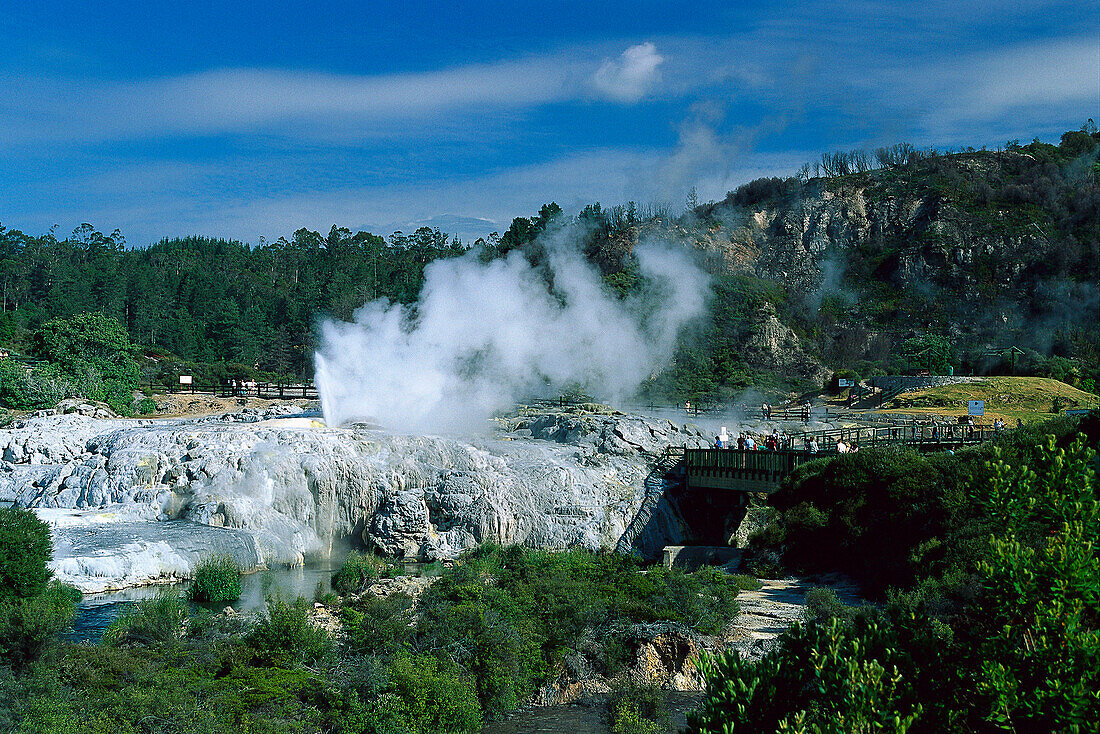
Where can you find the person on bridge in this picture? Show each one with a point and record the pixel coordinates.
(750, 443)
(741, 441)
(718, 442)
(841, 447)
(813, 446)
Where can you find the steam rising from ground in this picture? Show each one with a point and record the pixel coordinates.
(484, 335)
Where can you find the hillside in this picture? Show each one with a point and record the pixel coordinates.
(984, 261)
(1026, 398)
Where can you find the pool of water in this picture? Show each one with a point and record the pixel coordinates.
(95, 612)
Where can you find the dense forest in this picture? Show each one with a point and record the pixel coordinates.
(976, 261)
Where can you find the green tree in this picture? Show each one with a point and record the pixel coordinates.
(32, 608)
(25, 549)
(89, 339)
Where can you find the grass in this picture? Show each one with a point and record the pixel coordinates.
(1026, 398)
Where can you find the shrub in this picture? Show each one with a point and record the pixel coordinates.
(744, 582)
(216, 579)
(435, 696)
(157, 621)
(825, 677)
(379, 625)
(823, 604)
(29, 624)
(637, 709)
(25, 549)
(146, 406)
(29, 388)
(284, 636)
(358, 572)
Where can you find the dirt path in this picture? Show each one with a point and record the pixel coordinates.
(186, 405)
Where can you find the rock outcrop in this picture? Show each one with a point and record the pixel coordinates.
(297, 489)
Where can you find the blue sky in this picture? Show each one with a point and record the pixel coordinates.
(245, 120)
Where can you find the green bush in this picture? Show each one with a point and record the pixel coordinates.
(825, 677)
(25, 549)
(637, 709)
(146, 406)
(1020, 651)
(29, 624)
(379, 625)
(29, 388)
(744, 582)
(509, 615)
(216, 579)
(284, 636)
(161, 620)
(823, 604)
(434, 695)
(359, 571)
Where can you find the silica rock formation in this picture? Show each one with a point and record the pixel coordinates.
(140, 501)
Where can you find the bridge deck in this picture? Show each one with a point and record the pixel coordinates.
(744, 471)
(763, 470)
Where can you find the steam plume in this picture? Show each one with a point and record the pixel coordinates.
(484, 335)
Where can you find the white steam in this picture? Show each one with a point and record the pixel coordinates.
(483, 336)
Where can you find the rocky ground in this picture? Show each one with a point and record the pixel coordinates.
(294, 488)
(666, 657)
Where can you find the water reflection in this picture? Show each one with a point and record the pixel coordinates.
(95, 612)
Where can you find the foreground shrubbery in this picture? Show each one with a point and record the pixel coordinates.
(507, 616)
(478, 643)
(1001, 635)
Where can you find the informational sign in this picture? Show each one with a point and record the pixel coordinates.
(977, 407)
(845, 382)
(185, 379)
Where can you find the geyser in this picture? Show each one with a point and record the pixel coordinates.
(483, 335)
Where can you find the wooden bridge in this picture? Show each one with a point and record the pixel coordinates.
(741, 470)
(764, 470)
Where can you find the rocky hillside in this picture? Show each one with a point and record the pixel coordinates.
(982, 250)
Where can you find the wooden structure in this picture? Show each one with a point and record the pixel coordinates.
(763, 470)
(741, 471)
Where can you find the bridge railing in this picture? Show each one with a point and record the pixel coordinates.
(912, 434)
(781, 462)
(266, 390)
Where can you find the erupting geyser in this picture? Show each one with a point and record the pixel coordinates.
(485, 334)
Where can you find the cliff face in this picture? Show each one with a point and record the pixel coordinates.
(983, 248)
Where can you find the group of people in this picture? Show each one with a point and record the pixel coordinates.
(776, 441)
(244, 387)
(747, 441)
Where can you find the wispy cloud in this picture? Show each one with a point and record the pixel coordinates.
(253, 100)
(631, 76)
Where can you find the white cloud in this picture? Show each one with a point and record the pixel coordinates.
(231, 100)
(235, 100)
(631, 76)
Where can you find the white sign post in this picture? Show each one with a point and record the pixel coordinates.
(186, 380)
(976, 407)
